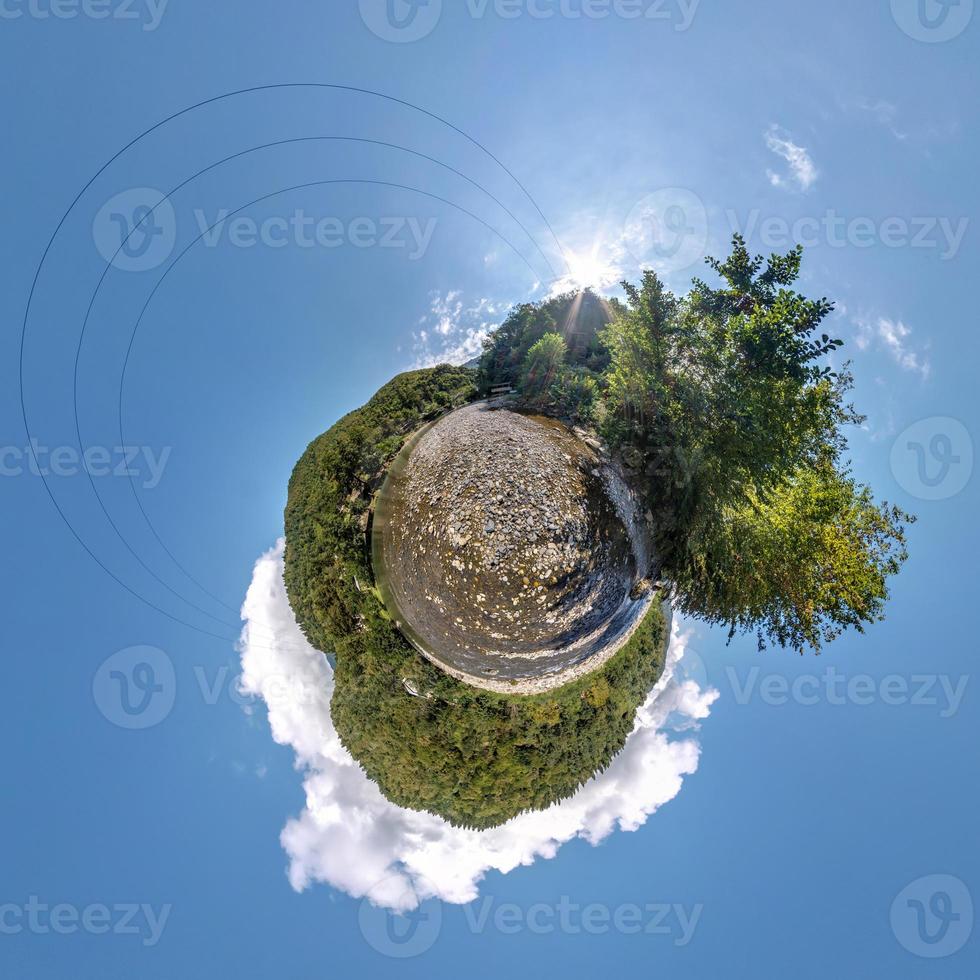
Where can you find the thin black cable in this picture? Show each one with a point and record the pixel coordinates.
(148, 217)
(91, 181)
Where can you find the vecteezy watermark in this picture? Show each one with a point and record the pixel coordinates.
(136, 230)
(148, 13)
(402, 21)
(667, 230)
(277, 690)
(835, 688)
(933, 458)
(65, 919)
(679, 13)
(941, 692)
(933, 916)
(837, 231)
(131, 462)
(401, 935)
(672, 920)
(303, 230)
(932, 21)
(135, 688)
(408, 934)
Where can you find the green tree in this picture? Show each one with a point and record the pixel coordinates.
(724, 406)
(578, 317)
(542, 367)
(798, 567)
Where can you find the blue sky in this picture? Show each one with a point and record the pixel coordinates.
(829, 792)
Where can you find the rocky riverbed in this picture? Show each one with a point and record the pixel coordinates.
(508, 551)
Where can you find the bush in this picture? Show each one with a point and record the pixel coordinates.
(542, 366)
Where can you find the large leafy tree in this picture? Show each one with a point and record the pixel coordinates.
(796, 567)
(724, 403)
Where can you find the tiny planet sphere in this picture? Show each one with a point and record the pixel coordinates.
(509, 551)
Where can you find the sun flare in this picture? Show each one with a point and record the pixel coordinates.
(587, 269)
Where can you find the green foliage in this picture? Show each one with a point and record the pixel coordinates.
(723, 406)
(576, 317)
(542, 366)
(723, 402)
(573, 394)
(330, 497)
(552, 353)
(799, 567)
(475, 757)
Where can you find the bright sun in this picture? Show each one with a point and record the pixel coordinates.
(588, 269)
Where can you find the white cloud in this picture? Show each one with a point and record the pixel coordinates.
(349, 836)
(893, 336)
(883, 110)
(802, 171)
(452, 332)
(446, 310)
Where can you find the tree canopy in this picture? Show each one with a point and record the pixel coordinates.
(724, 405)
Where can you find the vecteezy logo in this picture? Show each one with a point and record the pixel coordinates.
(136, 687)
(932, 20)
(933, 459)
(400, 935)
(135, 230)
(933, 916)
(667, 230)
(401, 20)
